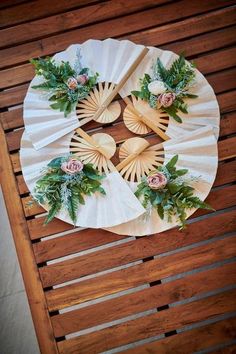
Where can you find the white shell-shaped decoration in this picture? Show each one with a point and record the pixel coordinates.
(198, 153)
(118, 206)
(141, 164)
(202, 111)
(89, 154)
(89, 106)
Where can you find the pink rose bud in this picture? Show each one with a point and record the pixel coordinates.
(82, 79)
(166, 99)
(157, 180)
(72, 166)
(72, 83)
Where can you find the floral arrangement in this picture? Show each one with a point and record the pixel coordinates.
(168, 88)
(65, 182)
(167, 192)
(66, 86)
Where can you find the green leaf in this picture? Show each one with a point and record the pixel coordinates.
(72, 206)
(52, 212)
(173, 188)
(55, 163)
(90, 172)
(172, 162)
(160, 211)
(181, 172)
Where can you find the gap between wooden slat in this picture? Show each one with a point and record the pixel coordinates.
(151, 325)
(140, 274)
(194, 340)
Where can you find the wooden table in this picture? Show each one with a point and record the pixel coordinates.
(111, 264)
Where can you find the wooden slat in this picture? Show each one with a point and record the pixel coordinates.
(37, 9)
(204, 43)
(226, 173)
(112, 257)
(151, 325)
(140, 274)
(13, 96)
(74, 242)
(72, 19)
(8, 3)
(228, 124)
(227, 101)
(78, 242)
(144, 300)
(115, 27)
(224, 59)
(230, 349)
(157, 36)
(26, 260)
(191, 341)
(227, 148)
(12, 119)
(223, 80)
(161, 35)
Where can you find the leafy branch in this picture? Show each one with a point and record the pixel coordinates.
(175, 198)
(60, 190)
(63, 96)
(177, 80)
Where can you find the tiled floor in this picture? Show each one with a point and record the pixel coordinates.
(17, 334)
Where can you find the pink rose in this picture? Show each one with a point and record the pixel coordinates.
(166, 99)
(72, 166)
(157, 180)
(82, 79)
(72, 83)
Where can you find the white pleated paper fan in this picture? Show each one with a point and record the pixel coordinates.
(119, 205)
(198, 153)
(202, 111)
(110, 58)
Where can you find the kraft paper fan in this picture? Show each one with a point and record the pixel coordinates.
(202, 111)
(112, 59)
(197, 152)
(119, 205)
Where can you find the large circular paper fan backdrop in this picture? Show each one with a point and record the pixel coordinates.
(49, 134)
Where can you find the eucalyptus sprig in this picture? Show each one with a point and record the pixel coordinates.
(168, 88)
(65, 86)
(65, 183)
(168, 193)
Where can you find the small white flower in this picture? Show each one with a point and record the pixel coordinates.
(156, 87)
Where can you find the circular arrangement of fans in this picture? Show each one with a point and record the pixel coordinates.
(157, 139)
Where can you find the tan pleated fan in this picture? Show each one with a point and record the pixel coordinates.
(97, 150)
(140, 118)
(138, 158)
(87, 108)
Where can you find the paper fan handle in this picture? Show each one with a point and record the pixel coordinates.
(145, 119)
(130, 158)
(121, 83)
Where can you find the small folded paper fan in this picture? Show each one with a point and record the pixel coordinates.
(140, 158)
(87, 108)
(197, 153)
(133, 118)
(119, 205)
